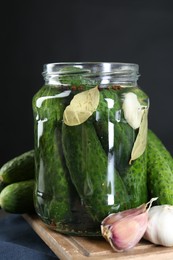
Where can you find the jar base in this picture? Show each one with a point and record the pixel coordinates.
(74, 229)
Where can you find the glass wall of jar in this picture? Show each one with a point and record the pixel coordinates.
(90, 123)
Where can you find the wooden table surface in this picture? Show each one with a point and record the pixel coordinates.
(80, 248)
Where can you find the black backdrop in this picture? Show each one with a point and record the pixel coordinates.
(41, 31)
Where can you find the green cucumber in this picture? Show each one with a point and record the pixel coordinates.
(135, 175)
(160, 170)
(141, 95)
(20, 168)
(75, 76)
(55, 197)
(128, 134)
(18, 197)
(92, 172)
(123, 135)
(135, 181)
(52, 181)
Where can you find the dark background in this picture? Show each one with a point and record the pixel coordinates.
(36, 32)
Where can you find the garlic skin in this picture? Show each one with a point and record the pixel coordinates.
(160, 225)
(127, 232)
(132, 109)
(123, 230)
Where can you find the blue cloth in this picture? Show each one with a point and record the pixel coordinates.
(18, 241)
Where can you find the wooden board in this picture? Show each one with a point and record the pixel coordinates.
(80, 248)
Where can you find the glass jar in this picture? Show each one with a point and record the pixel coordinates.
(90, 122)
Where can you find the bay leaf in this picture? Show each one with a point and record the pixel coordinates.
(81, 107)
(141, 139)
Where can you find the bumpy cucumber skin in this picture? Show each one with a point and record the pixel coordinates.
(128, 134)
(134, 176)
(55, 197)
(88, 166)
(160, 170)
(79, 142)
(135, 181)
(52, 182)
(18, 197)
(19, 168)
(124, 135)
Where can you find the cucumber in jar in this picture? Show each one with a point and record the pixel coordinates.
(56, 199)
(51, 172)
(135, 181)
(122, 139)
(113, 131)
(92, 172)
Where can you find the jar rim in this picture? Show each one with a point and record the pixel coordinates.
(118, 67)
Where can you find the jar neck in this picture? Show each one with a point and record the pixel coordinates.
(91, 73)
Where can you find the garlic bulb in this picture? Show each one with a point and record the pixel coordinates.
(160, 225)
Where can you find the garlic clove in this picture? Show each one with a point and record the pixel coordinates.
(125, 233)
(132, 109)
(123, 230)
(110, 219)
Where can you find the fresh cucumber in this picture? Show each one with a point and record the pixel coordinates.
(160, 170)
(18, 169)
(18, 197)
